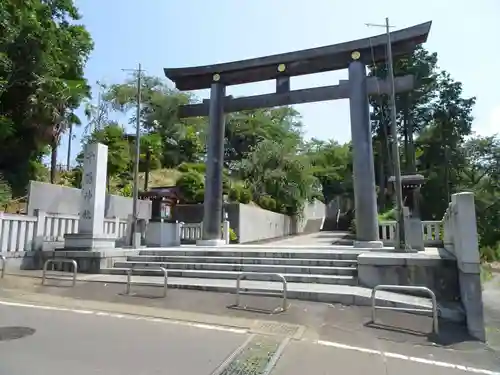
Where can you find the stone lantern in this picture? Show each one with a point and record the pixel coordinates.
(162, 230)
(414, 232)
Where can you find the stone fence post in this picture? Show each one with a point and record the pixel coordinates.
(466, 250)
(226, 231)
(117, 227)
(39, 230)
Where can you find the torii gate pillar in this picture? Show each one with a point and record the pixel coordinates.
(365, 199)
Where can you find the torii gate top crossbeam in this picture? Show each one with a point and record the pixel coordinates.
(308, 61)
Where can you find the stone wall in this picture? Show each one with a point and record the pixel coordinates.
(252, 223)
(65, 200)
(436, 270)
(256, 224)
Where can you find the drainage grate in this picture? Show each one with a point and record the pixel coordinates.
(13, 333)
(253, 358)
(274, 328)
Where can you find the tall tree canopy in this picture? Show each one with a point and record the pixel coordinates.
(43, 51)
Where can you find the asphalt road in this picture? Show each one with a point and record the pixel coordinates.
(65, 342)
(56, 341)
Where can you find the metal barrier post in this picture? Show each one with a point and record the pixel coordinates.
(2, 270)
(52, 261)
(283, 293)
(165, 278)
(434, 310)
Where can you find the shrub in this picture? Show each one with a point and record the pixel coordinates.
(234, 194)
(189, 167)
(352, 226)
(199, 196)
(387, 216)
(245, 195)
(190, 184)
(267, 203)
(490, 253)
(226, 184)
(5, 191)
(232, 236)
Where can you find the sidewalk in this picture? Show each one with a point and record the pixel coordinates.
(316, 328)
(491, 302)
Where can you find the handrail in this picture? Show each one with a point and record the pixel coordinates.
(434, 310)
(59, 260)
(283, 293)
(165, 277)
(2, 271)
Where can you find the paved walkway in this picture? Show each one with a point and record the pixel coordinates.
(313, 239)
(491, 301)
(94, 329)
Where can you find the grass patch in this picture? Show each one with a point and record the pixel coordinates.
(160, 177)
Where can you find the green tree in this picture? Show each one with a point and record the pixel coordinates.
(274, 169)
(119, 160)
(413, 113)
(245, 129)
(332, 166)
(159, 115)
(441, 159)
(481, 175)
(43, 49)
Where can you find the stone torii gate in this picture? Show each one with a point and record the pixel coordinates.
(354, 55)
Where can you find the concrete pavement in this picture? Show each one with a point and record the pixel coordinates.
(491, 301)
(313, 239)
(80, 344)
(93, 329)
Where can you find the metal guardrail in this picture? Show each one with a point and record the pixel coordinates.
(165, 277)
(433, 310)
(2, 270)
(282, 293)
(56, 260)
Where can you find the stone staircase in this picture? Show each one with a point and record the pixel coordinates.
(319, 266)
(322, 273)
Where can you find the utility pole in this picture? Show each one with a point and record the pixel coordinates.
(401, 244)
(395, 147)
(136, 236)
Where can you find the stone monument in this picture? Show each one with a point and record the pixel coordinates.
(90, 234)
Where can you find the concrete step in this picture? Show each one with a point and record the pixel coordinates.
(270, 268)
(244, 260)
(257, 252)
(224, 275)
(328, 293)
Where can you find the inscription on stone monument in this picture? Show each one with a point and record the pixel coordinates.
(93, 189)
(87, 187)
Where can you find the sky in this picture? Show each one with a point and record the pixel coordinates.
(180, 33)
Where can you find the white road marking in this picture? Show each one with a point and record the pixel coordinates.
(127, 316)
(408, 358)
(243, 331)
